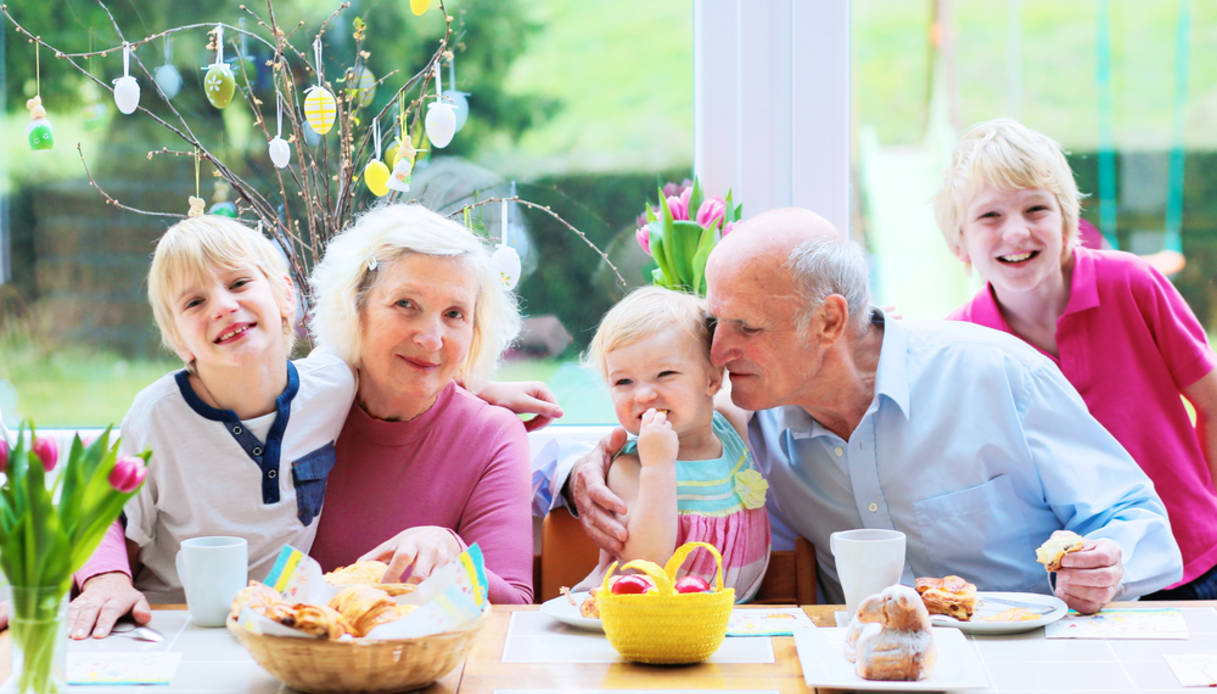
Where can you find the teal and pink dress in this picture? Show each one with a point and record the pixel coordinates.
(721, 502)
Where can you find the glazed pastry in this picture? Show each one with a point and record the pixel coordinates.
(892, 639)
(1060, 543)
(262, 599)
(950, 595)
(319, 620)
(366, 573)
(364, 607)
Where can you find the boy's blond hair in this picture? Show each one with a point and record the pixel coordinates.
(1009, 156)
(645, 312)
(198, 245)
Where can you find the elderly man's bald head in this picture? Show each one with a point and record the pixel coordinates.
(798, 249)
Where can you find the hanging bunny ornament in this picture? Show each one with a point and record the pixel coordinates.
(319, 105)
(441, 118)
(280, 152)
(505, 259)
(401, 157)
(39, 132)
(126, 89)
(219, 84)
(167, 77)
(376, 174)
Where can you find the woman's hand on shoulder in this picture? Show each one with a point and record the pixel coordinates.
(524, 397)
(414, 553)
(103, 599)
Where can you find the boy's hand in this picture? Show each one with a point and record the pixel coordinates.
(102, 600)
(415, 552)
(657, 441)
(524, 397)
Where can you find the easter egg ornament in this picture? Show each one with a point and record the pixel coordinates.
(219, 84)
(39, 132)
(126, 89)
(319, 105)
(361, 87)
(441, 119)
(419, 6)
(460, 104)
(167, 76)
(376, 174)
(221, 206)
(505, 260)
(280, 152)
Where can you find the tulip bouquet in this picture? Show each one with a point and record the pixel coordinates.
(47, 533)
(679, 243)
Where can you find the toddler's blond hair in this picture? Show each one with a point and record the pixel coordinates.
(645, 312)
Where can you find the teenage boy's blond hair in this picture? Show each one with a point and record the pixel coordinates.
(1009, 156)
(199, 245)
(645, 312)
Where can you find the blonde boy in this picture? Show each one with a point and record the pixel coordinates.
(1119, 331)
(242, 438)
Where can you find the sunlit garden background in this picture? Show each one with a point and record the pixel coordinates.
(588, 107)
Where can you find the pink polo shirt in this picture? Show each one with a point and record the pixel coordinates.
(1129, 343)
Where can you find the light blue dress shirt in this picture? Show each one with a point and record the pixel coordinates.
(977, 448)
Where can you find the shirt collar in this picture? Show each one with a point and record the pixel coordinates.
(891, 376)
(1083, 288)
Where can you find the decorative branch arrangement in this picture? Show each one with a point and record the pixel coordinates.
(317, 186)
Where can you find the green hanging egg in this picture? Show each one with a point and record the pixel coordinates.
(219, 84)
(41, 135)
(224, 209)
(362, 87)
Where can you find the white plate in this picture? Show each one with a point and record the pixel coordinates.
(560, 609)
(984, 608)
(957, 664)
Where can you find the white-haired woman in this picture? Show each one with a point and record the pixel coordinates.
(411, 301)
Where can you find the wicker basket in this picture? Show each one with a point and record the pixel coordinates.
(662, 626)
(363, 665)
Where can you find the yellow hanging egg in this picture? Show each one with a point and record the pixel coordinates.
(219, 85)
(320, 109)
(419, 6)
(376, 177)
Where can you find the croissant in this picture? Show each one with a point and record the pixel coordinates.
(366, 573)
(364, 607)
(262, 599)
(319, 620)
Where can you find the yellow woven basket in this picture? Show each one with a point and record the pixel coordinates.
(362, 665)
(662, 626)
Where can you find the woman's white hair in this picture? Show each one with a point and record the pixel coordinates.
(343, 278)
(831, 264)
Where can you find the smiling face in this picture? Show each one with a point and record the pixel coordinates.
(667, 371)
(417, 324)
(1014, 239)
(229, 317)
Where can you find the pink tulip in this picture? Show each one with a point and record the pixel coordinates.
(128, 473)
(679, 205)
(710, 212)
(3, 454)
(643, 234)
(47, 451)
(672, 188)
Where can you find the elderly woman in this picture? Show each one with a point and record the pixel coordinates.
(411, 301)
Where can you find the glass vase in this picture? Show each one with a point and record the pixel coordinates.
(38, 624)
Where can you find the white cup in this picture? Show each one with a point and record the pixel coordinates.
(868, 560)
(212, 571)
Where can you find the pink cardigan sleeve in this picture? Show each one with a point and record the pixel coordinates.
(110, 556)
(498, 517)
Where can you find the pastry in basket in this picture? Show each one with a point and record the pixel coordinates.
(318, 620)
(366, 573)
(262, 599)
(889, 637)
(365, 607)
(1060, 543)
(588, 607)
(949, 595)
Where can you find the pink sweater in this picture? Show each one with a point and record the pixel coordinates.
(462, 465)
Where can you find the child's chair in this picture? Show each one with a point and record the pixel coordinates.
(568, 554)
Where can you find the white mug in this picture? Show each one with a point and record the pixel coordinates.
(868, 560)
(212, 570)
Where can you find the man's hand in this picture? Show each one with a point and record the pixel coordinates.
(1089, 578)
(102, 600)
(598, 505)
(524, 397)
(414, 553)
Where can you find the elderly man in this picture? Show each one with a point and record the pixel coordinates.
(968, 441)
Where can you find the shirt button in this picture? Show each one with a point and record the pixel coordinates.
(236, 430)
(872, 508)
(838, 451)
(257, 450)
(273, 474)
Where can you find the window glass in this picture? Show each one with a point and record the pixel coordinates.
(586, 108)
(1126, 87)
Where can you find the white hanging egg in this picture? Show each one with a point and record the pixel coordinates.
(440, 124)
(364, 89)
(168, 79)
(126, 94)
(320, 109)
(507, 262)
(460, 105)
(280, 152)
(399, 180)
